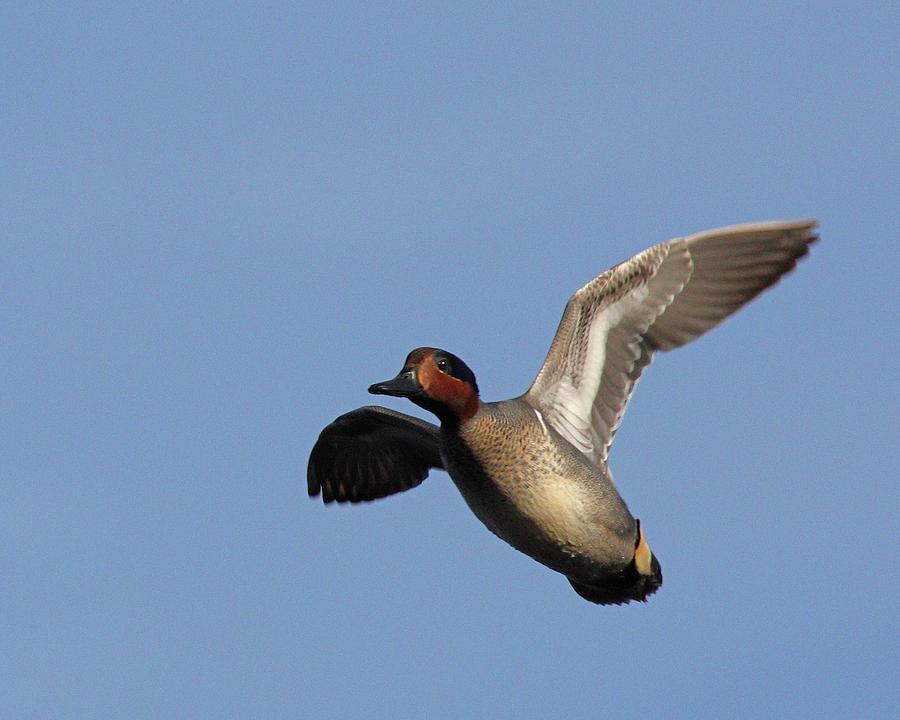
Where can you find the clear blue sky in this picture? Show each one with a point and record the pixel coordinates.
(222, 221)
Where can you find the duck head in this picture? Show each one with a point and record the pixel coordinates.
(437, 381)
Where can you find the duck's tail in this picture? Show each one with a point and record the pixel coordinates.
(636, 581)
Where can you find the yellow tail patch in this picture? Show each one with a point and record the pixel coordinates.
(642, 554)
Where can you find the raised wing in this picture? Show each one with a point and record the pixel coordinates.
(661, 299)
(370, 453)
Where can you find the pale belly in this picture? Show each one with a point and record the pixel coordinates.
(574, 526)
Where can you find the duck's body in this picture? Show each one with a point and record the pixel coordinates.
(531, 488)
(534, 469)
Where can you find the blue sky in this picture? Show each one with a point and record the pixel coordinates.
(222, 221)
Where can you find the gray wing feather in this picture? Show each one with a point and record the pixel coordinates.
(731, 267)
(661, 299)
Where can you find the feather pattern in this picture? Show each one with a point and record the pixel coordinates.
(660, 299)
(372, 452)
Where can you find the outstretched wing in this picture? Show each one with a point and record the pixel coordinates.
(370, 453)
(660, 299)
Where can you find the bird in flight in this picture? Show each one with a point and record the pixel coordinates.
(534, 469)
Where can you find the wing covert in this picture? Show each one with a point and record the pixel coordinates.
(589, 373)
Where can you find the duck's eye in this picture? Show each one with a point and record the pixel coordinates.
(443, 366)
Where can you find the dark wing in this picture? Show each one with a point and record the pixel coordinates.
(370, 453)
